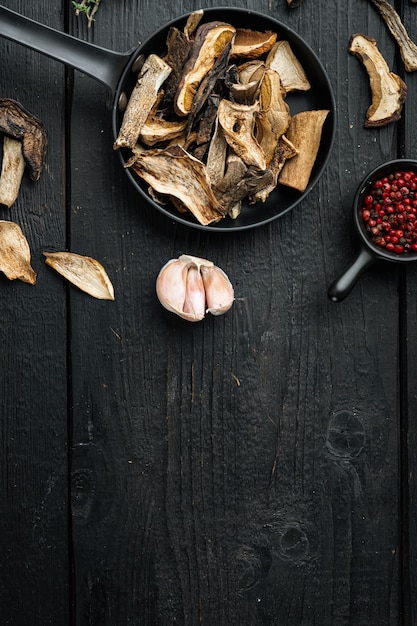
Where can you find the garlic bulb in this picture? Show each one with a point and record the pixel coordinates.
(191, 287)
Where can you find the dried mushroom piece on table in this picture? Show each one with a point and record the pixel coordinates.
(388, 90)
(82, 271)
(408, 49)
(21, 125)
(12, 169)
(15, 260)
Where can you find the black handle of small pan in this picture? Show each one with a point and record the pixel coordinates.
(343, 285)
(104, 65)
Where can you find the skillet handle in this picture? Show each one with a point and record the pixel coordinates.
(104, 65)
(343, 285)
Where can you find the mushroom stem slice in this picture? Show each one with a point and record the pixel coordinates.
(304, 132)
(408, 49)
(144, 95)
(388, 90)
(15, 253)
(82, 271)
(12, 168)
(174, 172)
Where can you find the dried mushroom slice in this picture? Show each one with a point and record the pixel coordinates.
(388, 90)
(284, 150)
(274, 115)
(144, 95)
(283, 60)
(304, 132)
(407, 47)
(174, 172)
(21, 125)
(251, 44)
(12, 168)
(209, 43)
(238, 123)
(249, 185)
(82, 271)
(15, 253)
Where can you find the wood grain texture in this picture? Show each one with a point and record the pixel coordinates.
(34, 584)
(249, 469)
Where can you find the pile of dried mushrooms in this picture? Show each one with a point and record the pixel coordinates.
(208, 124)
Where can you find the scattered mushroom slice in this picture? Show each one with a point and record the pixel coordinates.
(237, 122)
(283, 60)
(304, 132)
(209, 43)
(15, 253)
(21, 125)
(292, 4)
(82, 271)
(388, 90)
(174, 172)
(145, 92)
(408, 49)
(12, 168)
(251, 44)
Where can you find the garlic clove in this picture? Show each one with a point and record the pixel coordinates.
(195, 297)
(219, 290)
(15, 253)
(191, 286)
(84, 272)
(171, 285)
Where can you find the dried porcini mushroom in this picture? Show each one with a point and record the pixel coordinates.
(15, 253)
(216, 132)
(388, 90)
(304, 132)
(190, 287)
(238, 123)
(82, 271)
(209, 43)
(174, 172)
(152, 75)
(283, 60)
(408, 49)
(12, 169)
(251, 44)
(18, 123)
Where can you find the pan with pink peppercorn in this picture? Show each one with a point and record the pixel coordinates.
(385, 218)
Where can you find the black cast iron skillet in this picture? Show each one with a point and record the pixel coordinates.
(116, 70)
(369, 252)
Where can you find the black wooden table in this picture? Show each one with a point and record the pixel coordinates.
(252, 469)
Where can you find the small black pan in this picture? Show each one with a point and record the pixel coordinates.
(369, 252)
(117, 71)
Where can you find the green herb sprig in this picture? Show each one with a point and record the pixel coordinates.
(88, 8)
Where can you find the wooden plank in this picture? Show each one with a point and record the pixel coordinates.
(243, 470)
(408, 366)
(34, 562)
